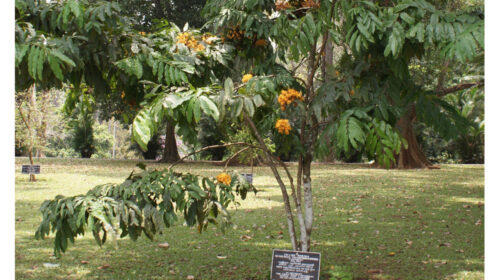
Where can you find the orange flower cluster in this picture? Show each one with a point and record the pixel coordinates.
(224, 178)
(351, 92)
(310, 4)
(261, 42)
(235, 34)
(282, 5)
(288, 96)
(187, 39)
(283, 126)
(246, 78)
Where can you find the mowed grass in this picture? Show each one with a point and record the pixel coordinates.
(369, 224)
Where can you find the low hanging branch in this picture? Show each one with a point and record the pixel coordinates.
(146, 202)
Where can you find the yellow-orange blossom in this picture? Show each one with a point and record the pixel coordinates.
(187, 39)
(283, 126)
(246, 78)
(288, 96)
(224, 178)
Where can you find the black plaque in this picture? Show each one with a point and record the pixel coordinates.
(248, 177)
(30, 169)
(293, 265)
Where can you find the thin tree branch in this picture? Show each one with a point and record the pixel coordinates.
(235, 155)
(458, 87)
(213, 147)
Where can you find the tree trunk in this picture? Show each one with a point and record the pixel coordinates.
(42, 130)
(326, 63)
(308, 203)
(413, 156)
(170, 152)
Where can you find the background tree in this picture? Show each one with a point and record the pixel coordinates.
(82, 127)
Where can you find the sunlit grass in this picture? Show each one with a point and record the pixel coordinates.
(369, 224)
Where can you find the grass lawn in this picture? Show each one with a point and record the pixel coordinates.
(369, 224)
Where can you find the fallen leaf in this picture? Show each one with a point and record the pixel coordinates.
(245, 237)
(190, 277)
(478, 223)
(409, 242)
(446, 244)
(171, 272)
(374, 271)
(391, 254)
(164, 245)
(221, 257)
(104, 266)
(84, 262)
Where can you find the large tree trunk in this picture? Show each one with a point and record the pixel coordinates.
(413, 156)
(170, 153)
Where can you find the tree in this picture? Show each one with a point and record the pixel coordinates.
(147, 15)
(416, 32)
(270, 98)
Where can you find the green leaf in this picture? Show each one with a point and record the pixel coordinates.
(54, 65)
(32, 57)
(172, 101)
(365, 32)
(228, 87)
(196, 110)
(62, 57)
(160, 72)
(137, 68)
(171, 74)
(258, 101)
(209, 107)
(249, 106)
(165, 71)
(407, 18)
(21, 50)
(355, 132)
(238, 107)
(142, 129)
